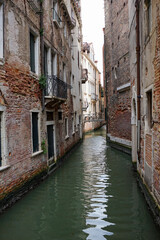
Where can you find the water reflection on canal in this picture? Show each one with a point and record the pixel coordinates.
(93, 196)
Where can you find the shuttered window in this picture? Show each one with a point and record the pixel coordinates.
(32, 52)
(35, 137)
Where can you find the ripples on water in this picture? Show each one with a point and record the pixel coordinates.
(96, 197)
(93, 196)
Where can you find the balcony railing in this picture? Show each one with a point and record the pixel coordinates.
(85, 106)
(84, 75)
(55, 87)
(56, 17)
(94, 97)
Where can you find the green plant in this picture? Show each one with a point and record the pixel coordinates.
(42, 81)
(41, 31)
(43, 146)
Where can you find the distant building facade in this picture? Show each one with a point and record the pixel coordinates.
(144, 25)
(38, 112)
(91, 86)
(117, 74)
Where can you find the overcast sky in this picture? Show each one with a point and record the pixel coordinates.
(92, 26)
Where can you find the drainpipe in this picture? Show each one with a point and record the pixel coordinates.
(42, 48)
(138, 80)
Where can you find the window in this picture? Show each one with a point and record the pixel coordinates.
(149, 109)
(3, 146)
(147, 5)
(64, 72)
(78, 59)
(49, 116)
(76, 119)
(1, 30)
(65, 30)
(66, 127)
(73, 131)
(60, 115)
(35, 132)
(79, 88)
(54, 64)
(79, 120)
(56, 15)
(45, 61)
(33, 53)
(50, 134)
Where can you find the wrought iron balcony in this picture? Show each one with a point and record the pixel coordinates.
(73, 21)
(85, 106)
(56, 88)
(84, 75)
(94, 97)
(56, 18)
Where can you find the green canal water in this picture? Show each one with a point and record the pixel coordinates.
(93, 196)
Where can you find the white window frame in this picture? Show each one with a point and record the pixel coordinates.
(73, 125)
(54, 63)
(39, 133)
(66, 125)
(1, 31)
(148, 128)
(64, 73)
(37, 52)
(76, 121)
(3, 140)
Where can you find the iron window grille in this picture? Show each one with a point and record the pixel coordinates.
(56, 87)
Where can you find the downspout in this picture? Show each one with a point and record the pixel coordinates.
(42, 49)
(138, 80)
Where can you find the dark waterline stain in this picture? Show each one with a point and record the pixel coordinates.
(93, 196)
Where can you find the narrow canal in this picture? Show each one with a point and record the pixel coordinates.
(93, 196)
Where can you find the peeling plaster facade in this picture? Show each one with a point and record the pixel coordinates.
(148, 161)
(36, 124)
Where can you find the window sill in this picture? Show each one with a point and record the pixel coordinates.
(37, 153)
(4, 168)
(34, 75)
(67, 137)
(73, 133)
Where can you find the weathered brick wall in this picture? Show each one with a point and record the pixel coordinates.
(156, 108)
(117, 68)
(20, 93)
